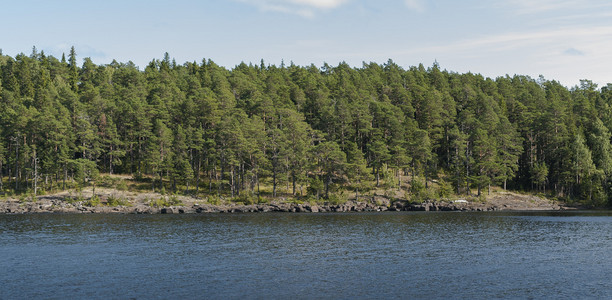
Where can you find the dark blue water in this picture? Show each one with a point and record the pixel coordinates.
(565, 255)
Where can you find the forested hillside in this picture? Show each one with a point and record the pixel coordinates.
(201, 128)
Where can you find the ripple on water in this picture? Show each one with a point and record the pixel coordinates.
(365, 255)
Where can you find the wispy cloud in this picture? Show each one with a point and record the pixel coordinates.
(512, 41)
(533, 7)
(573, 52)
(416, 5)
(322, 4)
(304, 8)
(564, 54)
(541, 6)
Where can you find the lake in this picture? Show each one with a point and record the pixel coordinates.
(443, 255)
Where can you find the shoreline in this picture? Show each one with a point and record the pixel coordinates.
(140, 203)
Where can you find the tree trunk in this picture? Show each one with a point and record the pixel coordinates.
(399, 179)
(199, 165)
(161, 180)
(232, 181)
(274, 181)
(467, 170)
(35, 173)
(17, 168)
(257, 181)
(327, 186)
(293, 180)
(425, 173)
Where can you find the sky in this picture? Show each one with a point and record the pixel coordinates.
(563, 40)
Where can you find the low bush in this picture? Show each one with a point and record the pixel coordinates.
(113, 201)
(246, 199)
(122, 185)
(214, 200)
(337, 199)
(94, 201)
(166, 202)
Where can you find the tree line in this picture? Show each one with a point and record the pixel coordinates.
(202, 128)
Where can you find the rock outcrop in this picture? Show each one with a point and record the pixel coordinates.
(500, 201)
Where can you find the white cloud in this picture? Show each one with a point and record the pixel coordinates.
(416, 5)
(540, 6)
(564, 54)
(304, 8)
(321, 4)
(518, 40)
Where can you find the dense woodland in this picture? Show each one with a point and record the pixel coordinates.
(200, 128)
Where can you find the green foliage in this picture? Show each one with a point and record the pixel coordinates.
(337, 198)
(247, 199)
(115, 201)
(166, 201)
(122, 185)
(93, 201)
(389, 177)
(202, 128)
(214, 200)
(445, 190)
(419, 194)
(315, 189)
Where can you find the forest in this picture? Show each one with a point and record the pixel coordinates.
(301, 131)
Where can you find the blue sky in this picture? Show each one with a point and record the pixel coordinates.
(564, 40)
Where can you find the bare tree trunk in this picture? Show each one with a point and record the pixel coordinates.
(274, 182)
(35, 173)
(293, 180)
(199, 165)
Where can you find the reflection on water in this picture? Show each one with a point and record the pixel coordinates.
(365, 255)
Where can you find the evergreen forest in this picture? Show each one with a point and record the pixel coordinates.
(299, 131)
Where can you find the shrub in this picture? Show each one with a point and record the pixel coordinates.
(445, 190)
(214, 200)
(315, 188)
(246, 199)
(418, 192)
(160, 202)
(261, 200)
(94, 201)
(337, 199)
(166, 202)
(174, 200)
(112, 201)
(122, 185)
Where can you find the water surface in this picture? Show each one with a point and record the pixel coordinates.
(565, 255)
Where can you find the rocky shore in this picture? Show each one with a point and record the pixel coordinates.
(62, 203)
